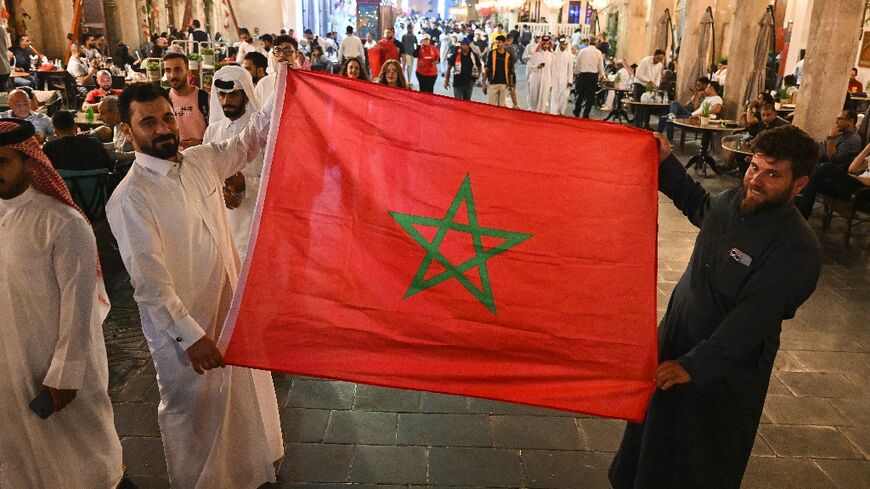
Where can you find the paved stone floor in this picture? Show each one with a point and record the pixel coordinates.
(815, 431)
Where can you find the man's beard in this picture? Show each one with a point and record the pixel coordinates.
(750, 205)
(233, 113)
(162, 151)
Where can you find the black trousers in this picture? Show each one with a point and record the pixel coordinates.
(586, 85)
(427, 83)
(830, 179)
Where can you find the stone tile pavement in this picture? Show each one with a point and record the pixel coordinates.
(815, 431)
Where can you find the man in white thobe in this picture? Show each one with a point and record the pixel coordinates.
(541, 75)
(232, 104)
(563, 77)
(51, 336)
(220, 428)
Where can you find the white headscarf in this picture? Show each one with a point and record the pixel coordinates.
(241, 80)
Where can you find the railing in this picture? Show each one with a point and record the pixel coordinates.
(557, 29)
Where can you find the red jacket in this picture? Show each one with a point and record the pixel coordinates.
(378, 55)
(427, 60)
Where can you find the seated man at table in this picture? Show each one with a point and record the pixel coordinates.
(680, 110)
(21, 53)
(20, 107)
(712, 100)
(110, 114)
(104, 88)
(768, 120)
(73, 151)
(831, 179)
(844, 142)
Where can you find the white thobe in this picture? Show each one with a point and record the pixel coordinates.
(540, 79)
(220, 429)
(247, 47)
(266, 87)
(51, 333)
(240, 218)
(563, 76)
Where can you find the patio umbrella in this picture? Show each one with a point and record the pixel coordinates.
(663, 33)
(700, 67)
(755, 84)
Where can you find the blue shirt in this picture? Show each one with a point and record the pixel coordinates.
(41, 122)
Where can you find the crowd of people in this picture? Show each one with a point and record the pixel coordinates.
(193, 160)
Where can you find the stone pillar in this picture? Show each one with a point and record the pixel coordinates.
(826, 70)
(632, 28)
(656, 10)
(744, 37)
(689, 45)
(723, 15)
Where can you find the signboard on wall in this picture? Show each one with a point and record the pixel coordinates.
(367, 18)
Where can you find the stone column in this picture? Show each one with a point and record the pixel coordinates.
(689, 45)
(632, 29)
(723, 15)
(743, 39)
(826, 70)
(657, 8)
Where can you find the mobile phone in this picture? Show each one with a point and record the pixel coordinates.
(42, 404)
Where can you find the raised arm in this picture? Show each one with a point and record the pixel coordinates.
(687, 194)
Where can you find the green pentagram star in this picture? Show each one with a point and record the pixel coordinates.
(481, 255)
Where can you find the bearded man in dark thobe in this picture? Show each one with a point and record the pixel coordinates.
(755, 261)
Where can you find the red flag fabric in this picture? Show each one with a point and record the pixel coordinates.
(410, 240)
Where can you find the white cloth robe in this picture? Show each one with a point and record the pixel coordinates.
(51, 333)
(240, 218)
(540, 79)
(563, 77)
(220, 429)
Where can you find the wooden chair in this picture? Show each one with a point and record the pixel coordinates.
(855, 210)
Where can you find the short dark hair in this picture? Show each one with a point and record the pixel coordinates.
(267, 38)
(171, 55)
(768, 98)
(139, 92)
(244, 30)
(704, 80)
(307, 31)
(63, 120)
(317, 48)
(769, 107)
(789, 143)
(855, 70)
(349, 30)
(659, 51)
(258, 59)
(715, 86)
(286, 39)
(851, 114)
(789, 80)
(196, 23)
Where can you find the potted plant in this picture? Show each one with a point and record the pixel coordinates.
(152, 69)
(207, 56)
(705, 113)
(193, 61)
(617, 81)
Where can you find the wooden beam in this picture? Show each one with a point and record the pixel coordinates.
(76, 27)
(233, 15)
(188, 14)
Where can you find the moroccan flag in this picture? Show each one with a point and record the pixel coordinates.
(410, 240)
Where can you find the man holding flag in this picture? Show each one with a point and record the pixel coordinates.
(755, 262)
(220, 428)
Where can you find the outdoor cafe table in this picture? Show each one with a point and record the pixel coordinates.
(703, 158)
(618, 111)
(783, 110)
(652, 107)
(83, 122)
